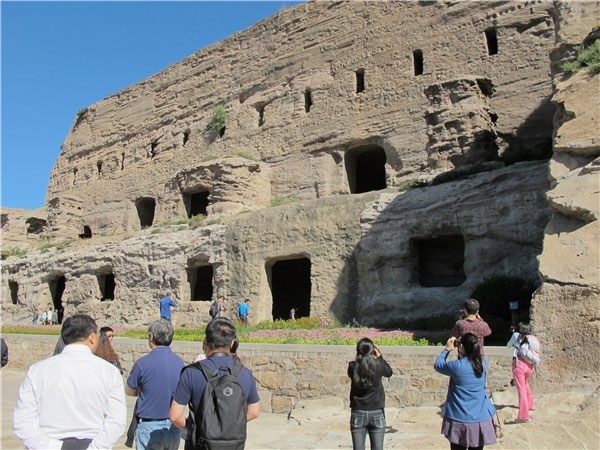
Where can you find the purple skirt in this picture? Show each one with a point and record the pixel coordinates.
(469, 434)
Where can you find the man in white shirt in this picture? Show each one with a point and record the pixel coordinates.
(73, 400)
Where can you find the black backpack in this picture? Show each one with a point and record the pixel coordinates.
(214, 309)
(219, 423)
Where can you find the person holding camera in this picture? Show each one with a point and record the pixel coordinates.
(468, 413)
(367, 396)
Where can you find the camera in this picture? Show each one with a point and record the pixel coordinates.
(457, 342)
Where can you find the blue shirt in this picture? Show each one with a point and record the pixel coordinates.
(244, 309)
(165, 307)
(467, 400)
(192, 382)
(157, 375)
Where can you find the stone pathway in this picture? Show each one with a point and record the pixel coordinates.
(564, 419)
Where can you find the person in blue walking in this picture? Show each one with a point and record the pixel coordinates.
(165, 308)
(244, 312)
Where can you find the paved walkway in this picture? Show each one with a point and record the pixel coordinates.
(567, 418)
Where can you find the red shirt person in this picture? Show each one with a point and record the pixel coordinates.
(472, 323)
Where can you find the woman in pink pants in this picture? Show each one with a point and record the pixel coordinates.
(526, 357)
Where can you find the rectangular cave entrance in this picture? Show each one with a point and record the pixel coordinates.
(145, 208)
(196, 203)
(201, 283)
(290, 287)
(365, 169)
(14, 291)
(57, 288)
(440, 260)
(107, 286)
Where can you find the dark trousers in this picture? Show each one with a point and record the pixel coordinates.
(362, 422)
(460, 447)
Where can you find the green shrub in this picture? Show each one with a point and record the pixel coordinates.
(196, 221)
(62, 244)
(586, 57)
(413, 183)
(494, 294)
(219, 120)
(13, 251)
(278, 201)
(208, 158)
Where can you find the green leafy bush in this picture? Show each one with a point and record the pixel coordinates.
(13, 251)
(278, 201)
(586, 57)
(413, 183)
(219, 120)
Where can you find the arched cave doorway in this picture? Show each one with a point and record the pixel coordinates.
(57, 288)
(290, 287)
(365, 168)
(106, 283)
(201, 282)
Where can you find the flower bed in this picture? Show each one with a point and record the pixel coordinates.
(306, 330)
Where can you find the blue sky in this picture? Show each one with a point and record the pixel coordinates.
(58, 57)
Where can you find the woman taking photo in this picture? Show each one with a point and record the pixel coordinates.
(468, 413)
(367, 397)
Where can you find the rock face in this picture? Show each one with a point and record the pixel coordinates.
(315, 94)
(566, 309)
(331, 109)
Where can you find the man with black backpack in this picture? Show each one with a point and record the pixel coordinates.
(221, 394)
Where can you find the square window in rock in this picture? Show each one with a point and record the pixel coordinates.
(196, 203)
(440, 260)
(87, 232)
(290, 287)
(14, 291)
(106, 282)
(201, 283)
(57, 289)
(365, 169)
(145, 208)
(35, 225)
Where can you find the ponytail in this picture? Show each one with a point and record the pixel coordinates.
(364, 364)
(473, 352)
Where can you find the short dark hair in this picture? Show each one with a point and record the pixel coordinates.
(105, 330)
(220, 333)
(77, 328)
(472, 306)
(162, 332)
(247, 300)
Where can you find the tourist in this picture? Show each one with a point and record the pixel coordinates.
(217, 345)
(472, 323)
(43, 317)
(165, 308)
(49, 317)
(220, 306)
(367, 396)
(244, 312)
(4, 352)
(153, 380)
(72, 400)
(468, 412)
(525, 358)
(105, 349)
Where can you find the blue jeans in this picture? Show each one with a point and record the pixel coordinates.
(157, 435)
(372, 421)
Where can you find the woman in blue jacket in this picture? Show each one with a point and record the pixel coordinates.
(468, 413)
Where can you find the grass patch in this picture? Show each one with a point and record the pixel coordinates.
(413, 183)
(219, 120)
(278, 201)
(245, 155)
(208, 158)
(586, 57)
(196, 221)
(13, 251)
(33, 329)
(44, 244)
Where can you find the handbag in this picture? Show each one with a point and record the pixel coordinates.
(497, 426)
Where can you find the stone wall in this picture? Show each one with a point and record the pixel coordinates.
(288, 373)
